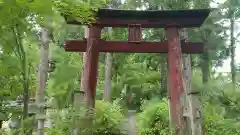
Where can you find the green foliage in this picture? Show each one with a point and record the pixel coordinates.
(218, 116)
(61, 83)
(3, 132)
(221, 128)
(62, 119)
(214, 122)
(154, 118)
(154, 131)
(79, 10)
(220, 107)
(139, 72)
(107, 119)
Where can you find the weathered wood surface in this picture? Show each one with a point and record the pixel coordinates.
(126, 47)
(176, 89)
(193, 108)
(91, 65)
(148, 18)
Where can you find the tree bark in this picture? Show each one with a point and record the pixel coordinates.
(86, 35)
(192, 106)
(21, 54)
(232, 48)
(205, 66)
(108, 72)
(25, 95)
(42, 77)
(164, 71)
(25, 69)
(75, 104)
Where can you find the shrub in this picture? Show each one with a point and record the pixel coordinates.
(224, 127)
(154, 119)
(216, 124)
(107, 120)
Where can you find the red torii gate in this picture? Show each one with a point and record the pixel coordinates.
(171, 20)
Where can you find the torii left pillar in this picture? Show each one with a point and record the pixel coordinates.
(90, 72)
(91, 66)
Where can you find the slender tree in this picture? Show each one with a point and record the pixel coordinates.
(42, 76)
(108, 76)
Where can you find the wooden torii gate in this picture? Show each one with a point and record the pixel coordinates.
(171, 20)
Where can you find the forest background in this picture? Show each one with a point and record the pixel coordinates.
(31, 43)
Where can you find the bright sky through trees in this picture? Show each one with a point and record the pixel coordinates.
(226, 65)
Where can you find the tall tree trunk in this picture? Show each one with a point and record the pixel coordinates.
(192, 111)
(192, 61)
(164, 75)
(128, 97)
(205, 65)
(108, 71)
(82, 88)
(25, 69)
(42, 76)
(21, 54)
(1, 121)
(86, 33)
(232, 48)
(25, 95)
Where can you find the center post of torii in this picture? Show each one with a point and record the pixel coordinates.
(171, 20)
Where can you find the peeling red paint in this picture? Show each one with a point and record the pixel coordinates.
(176, 89)
(91, 66)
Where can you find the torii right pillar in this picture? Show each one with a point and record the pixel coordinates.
(176, 82)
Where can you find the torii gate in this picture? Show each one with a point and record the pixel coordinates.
(171, 20)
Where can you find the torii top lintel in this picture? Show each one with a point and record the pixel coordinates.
(149, 18)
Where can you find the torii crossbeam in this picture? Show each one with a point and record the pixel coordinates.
(128, 47)
(171, 20)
